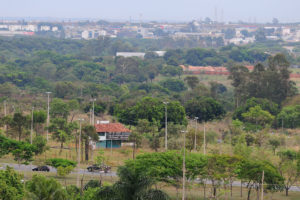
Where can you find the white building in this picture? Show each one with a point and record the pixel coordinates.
(160, 53)
(286, 31)
(86, 35)
(45, 28)
(131, 54)
(54, 28)
(15, 27)
(30, 27)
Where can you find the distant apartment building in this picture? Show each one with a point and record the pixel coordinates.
(55, 28)
(92, 34)
(45, 28)
(286, 31)
(241, 41)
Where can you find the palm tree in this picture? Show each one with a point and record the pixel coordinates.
(42, 188)
(136, 185)
(132, 185)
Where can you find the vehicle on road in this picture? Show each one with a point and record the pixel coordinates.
(99, 168)
(41, 168)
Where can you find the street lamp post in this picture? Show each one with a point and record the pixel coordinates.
(31, 129)
(5, 127)
(183, 167)
(204, 139)
(4, 104)
(48, 116)
(90, 116)
(93, 110)
(78, 152)
(166, 125)
(195, 142)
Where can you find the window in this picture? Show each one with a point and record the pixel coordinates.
(101, 134)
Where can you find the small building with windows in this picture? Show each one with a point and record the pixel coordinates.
(111, 135)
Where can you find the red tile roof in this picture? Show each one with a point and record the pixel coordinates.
(211, 69)
(111, 128)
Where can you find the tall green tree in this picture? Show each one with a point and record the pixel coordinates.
(258, 116)
(18, 124)
(62, 130)
(89, 134)
(252, 170)
(289, 117)
(192, 81)
(59, 108)
(289, 168)
(271, 82)
(39, 118)
(11, 186)
(205, 108)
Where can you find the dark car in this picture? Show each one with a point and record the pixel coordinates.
(94, 168)
(41, 168)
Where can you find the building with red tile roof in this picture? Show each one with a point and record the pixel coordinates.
(210, 70)
(111, 128)
(111, 135)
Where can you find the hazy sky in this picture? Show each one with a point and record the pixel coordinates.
(175, 10)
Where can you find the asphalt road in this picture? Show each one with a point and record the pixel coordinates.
(29, 167)
(22, 167)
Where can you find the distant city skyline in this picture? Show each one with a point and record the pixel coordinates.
(156, 10)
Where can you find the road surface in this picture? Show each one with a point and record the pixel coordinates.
(23, 167)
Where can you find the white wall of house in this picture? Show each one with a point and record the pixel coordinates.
(102, 138)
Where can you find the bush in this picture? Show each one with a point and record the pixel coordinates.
(64, 171)
(92, 184)
(59, 162)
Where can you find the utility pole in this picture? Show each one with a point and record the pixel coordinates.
(195, 140)
(111, 145)
(5, 127)
(166, 125)
(282, 125)
(204, 140)
(31, 130)
(78, 152)
(48, 116)
(4, 104)
(93, 110)
(262, 185)
(183, 167)
(90, 116)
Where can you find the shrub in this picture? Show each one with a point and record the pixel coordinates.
(59, 162)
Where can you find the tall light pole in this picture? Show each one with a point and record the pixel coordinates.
(31, 129)
(204, 139)
(166, 125)
(48, 111)
(5, 127)
(78, 152)
(93, 110)
(195, 140)
(183, 167)
(4, 105)
(90, 116)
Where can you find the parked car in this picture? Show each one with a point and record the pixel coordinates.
(99, 168)
(41, 168)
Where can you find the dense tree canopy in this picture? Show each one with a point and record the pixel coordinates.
(271, 82)
(153, 110)
(205, 108)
